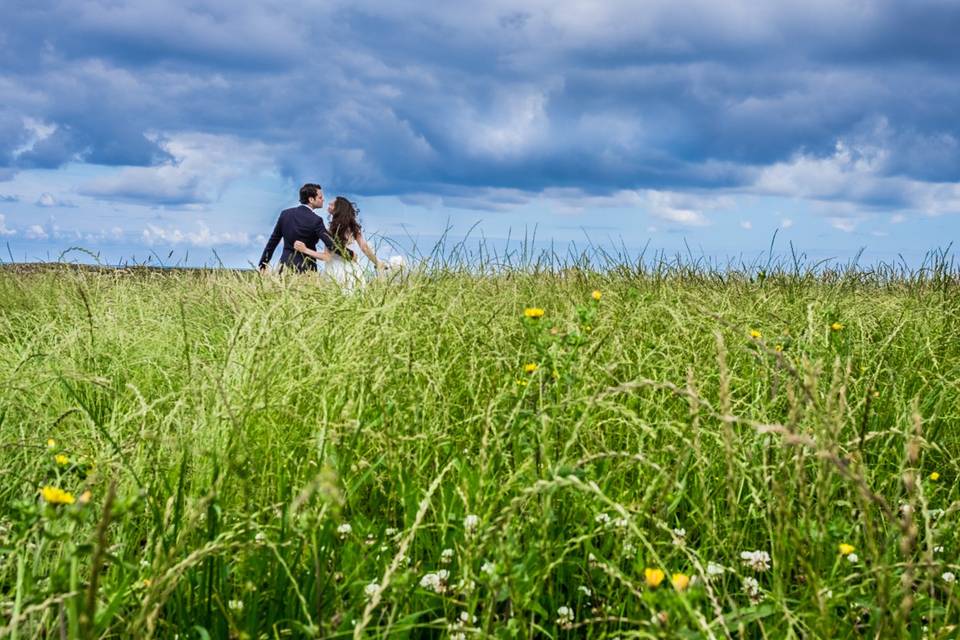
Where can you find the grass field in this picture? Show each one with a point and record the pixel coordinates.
(694, 454)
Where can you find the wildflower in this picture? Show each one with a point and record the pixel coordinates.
(596, 295)
(564, 616)
(521, 382)
(938, 548)
(533, 312)
(530, 368)
(466, 586)
(61, 459)
(846, 549)
(489, 568)
(837, 326)
(371, 590)
(629, 549)
(235, 605)
(853, 558)
(584, 590)
(934, 476)
(620, 523)
(446, 556)
(470, 523)
(435, 581)
(458, 635)
(714, 569)
(756, 560)
(85, 497)
(679, 537)
(51, 443)
(778, 348)
(602, 518)
(390, 532)
(147, 582)
(344, 530)
(54, 495)
(752, 588)
(260, 537)
(653, 577)
(465, 618)
(948, 577)
(680, 581)
(756, 335)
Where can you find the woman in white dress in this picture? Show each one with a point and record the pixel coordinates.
(341, 263)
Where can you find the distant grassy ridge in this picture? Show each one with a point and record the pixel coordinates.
(268, 457)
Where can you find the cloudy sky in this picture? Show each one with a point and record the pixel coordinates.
(135, 128)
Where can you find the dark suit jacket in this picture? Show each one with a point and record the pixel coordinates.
(298, 223)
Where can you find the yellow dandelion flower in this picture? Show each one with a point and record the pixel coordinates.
(837, 326)
(533, 312)
(61, 459)
(147, 582)
(653, 577)
(55, 495)
(778, 348)
(51, 443)
(530, 368)
(934, 476)
(846, 549)
(587, 328)
(756, 335)
(596, 295)
(522, 383)
(680, 581)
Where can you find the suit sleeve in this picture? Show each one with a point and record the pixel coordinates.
(324, 236)
(271, 244)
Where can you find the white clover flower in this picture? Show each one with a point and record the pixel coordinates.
(629, 549)
(235, 605)
(680, 532)
(564, 616)
(370, 590)
(370, 541)
(470, 523)
(948, 577)
(489, 568)
(752, 589)
(584, 590)
(756, 560)
(446, 556)
(853, 558)
(602, 519)
(260, 537)
(466, 586)
(390, 532)
(620, 523)
(435, 581)
(714, 569)
(344, 530)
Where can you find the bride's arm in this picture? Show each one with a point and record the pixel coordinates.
(302, 248)
(367, 251)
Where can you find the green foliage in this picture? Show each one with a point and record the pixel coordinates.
(251, 457)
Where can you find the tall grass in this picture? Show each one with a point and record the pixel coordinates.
(271, 458)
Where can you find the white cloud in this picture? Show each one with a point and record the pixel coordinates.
(843, 224)
(746, 224)
(48, 200)
(786, 223)
(897, 218)
(202, 237)
(36, 232)
(4, 230)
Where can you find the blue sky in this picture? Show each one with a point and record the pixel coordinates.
(135, 129)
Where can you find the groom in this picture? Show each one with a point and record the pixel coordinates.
(298, 223)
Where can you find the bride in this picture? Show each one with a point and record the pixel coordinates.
(341, 263)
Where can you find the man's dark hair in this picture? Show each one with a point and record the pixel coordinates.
(308, 191)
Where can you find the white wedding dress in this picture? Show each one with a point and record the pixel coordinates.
(347, 274)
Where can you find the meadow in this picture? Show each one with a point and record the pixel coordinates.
(535, 452)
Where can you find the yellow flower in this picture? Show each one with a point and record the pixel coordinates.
(756, 335)
(61, 459)
(51, 443)
(587, 328)
(522, 383)
(596, 295)
(147, 582)
(530, 368)
(876, 394)
(653, 577)
(778, 348)
(555, 374)
(533, 312)
(934, 476)
(837, 326)
(85, 497)
(680, 581)
(846, 549)
(54, 495)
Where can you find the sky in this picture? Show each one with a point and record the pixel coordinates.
(174, 132)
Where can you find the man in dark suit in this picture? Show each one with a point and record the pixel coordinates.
(299, 223)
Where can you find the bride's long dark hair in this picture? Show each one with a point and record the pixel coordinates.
(344, 225)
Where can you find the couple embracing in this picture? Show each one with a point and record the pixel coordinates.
(301, 229)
